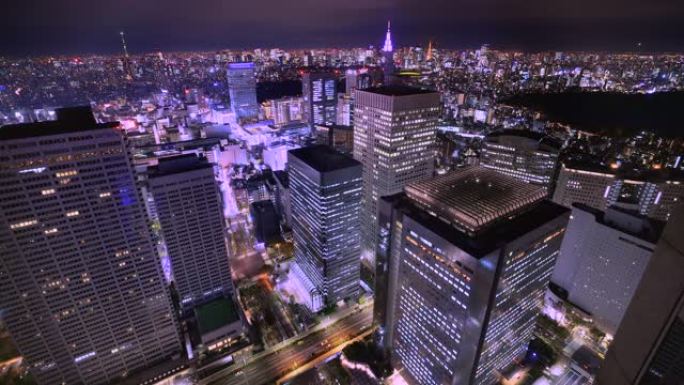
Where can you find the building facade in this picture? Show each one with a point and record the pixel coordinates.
(319, 93)
(340, 138)
(463, 263)
(81, 286)
(285, 110)
(649, 345)
(188, 206)
(325, 194)
(394, 136)
(242, 91)
(653, 194)
(602, 259)
(525, 155)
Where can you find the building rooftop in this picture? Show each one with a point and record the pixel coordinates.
(542, 139)
(323, 158)
(397, 90)
(178, 164)
(341, 127)
(522, 133)
(489, 239)
(240, 65)
(474, 197)
(216, 314)
(69, 119)
(625, 171)
(627, 221)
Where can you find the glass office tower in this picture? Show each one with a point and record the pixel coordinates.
(463, 263)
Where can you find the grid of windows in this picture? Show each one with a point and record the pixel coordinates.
(521, 154)
(325, 224)
(80, 282)
(189, 209)
(393, 139)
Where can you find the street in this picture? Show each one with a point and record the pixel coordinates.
(294, 353)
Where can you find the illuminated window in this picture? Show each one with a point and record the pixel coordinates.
(64, 174)
(20, 225)
(49, 191)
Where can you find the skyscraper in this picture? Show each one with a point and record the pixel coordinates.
(319, 91)
(242, 91)
(354, 79)
(388, 56)
(648, 348)
(526, 155)
(602, 259)
(463, 263)
(81, 287)
(188, 207)
(394, 135)
(326, 199)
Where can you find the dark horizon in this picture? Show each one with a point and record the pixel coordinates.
(80, 27)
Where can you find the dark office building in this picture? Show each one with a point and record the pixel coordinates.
(339, 137)
(266, 224)
(187, 203)
(282, 196)
(326, 198)
(319, 91)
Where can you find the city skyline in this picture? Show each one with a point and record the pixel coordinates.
(82, 27)
(396, 213)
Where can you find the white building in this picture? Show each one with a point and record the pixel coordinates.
(602, 259)
(275, 157)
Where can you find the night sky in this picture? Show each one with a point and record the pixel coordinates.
(92, 26)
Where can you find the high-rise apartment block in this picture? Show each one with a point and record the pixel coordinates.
(648, 348)
(526, 155)
(242, 91)
(319, 92)
(81, 286)
(602, 259)
(325, 194)
(394, 136)
(188, 206)
(463, 262)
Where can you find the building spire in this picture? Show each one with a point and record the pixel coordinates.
(126, 59)
(388, 40)
(123, 43)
